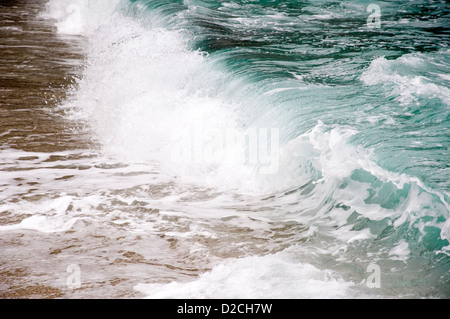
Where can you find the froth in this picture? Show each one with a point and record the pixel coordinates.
(406, 75)
(271, 276)
(79, 17)
(145, 96)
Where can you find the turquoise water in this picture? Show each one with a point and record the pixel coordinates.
(389, 83)
(354, 118)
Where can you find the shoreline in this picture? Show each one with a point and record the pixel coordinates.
(37, 68)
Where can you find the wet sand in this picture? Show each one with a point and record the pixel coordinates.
(37, 66)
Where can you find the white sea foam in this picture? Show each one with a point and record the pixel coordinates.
(147, 97)
(400, 251)
(80, 17)
(42, 224)
(334, 156)
(406, 76)
(271, 276)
